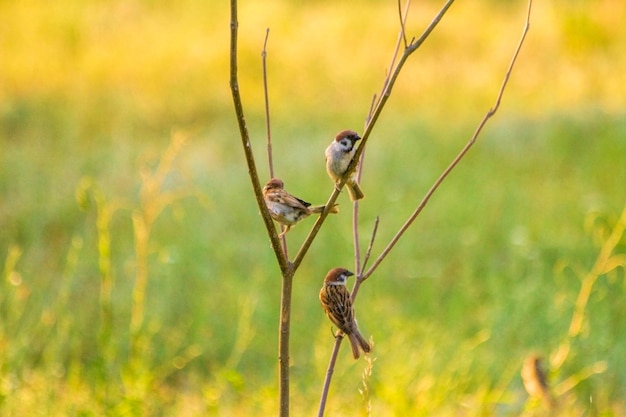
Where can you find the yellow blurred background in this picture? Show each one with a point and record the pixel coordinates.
(92, 92)
(167, 62)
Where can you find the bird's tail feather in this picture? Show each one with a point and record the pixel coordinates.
(319, 209)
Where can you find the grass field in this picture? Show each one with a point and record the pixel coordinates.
(137, 278)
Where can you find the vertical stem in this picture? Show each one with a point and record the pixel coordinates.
(286, 268)
(105, 333)
(268, 129)
(141, 278)
(106, 277)
(598, 269)
(283, 342)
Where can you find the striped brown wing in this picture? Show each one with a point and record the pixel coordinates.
(291, 201)
(337, 305)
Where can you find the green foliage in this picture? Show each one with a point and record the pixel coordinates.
(137, 278)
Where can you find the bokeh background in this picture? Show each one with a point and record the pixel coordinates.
(137, 278)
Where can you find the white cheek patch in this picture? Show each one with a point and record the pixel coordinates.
(346, 145)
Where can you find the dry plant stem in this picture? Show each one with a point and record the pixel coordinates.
(283, 263)
(283, 343)
(339, 335)
(355, 237)
(371, 244)
(395, 69)
(355, 226)
(600, 267)
(460, 156)
(104, 215)
(287, 281)
(270, 158)
(287, 269)
(389, 82)
(403, 20)
(329, 375)
(270, 161)
(605, 262)
(372, 121)
(152, 203)
(361, 278)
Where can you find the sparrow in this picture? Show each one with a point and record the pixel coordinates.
(338, 156)
(337, 305)
(534, 379)
(287, 209)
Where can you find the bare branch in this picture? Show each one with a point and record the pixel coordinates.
(371, 110)
(388, 86)
(329, 374)
(461, 154)
(316, 228)
(371, 244)
(283, 263)
(270, 160)
(372, 121)
(403, 21)
(394, 56)
(286, 268)
(355, 224)
(355, 237)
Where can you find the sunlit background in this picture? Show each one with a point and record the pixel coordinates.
(137, 277)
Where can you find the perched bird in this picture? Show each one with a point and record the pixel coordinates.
(287, 209)
(339, 154)
(337, 305)
(535, 382)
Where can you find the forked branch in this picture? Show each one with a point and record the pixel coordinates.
(461, 154)
(371, 121)
(245, 141)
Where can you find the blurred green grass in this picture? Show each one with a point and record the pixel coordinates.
(93, 93)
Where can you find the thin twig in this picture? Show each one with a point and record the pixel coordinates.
(403, 21)
(388, 85)
(461, 154)
(268, 129)
(297, 260)
(329, 374)
(355, 224)
(360, 277)
(394, 56)
(371, 244)
(371, 110)
(373, 105)
(355, 237)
